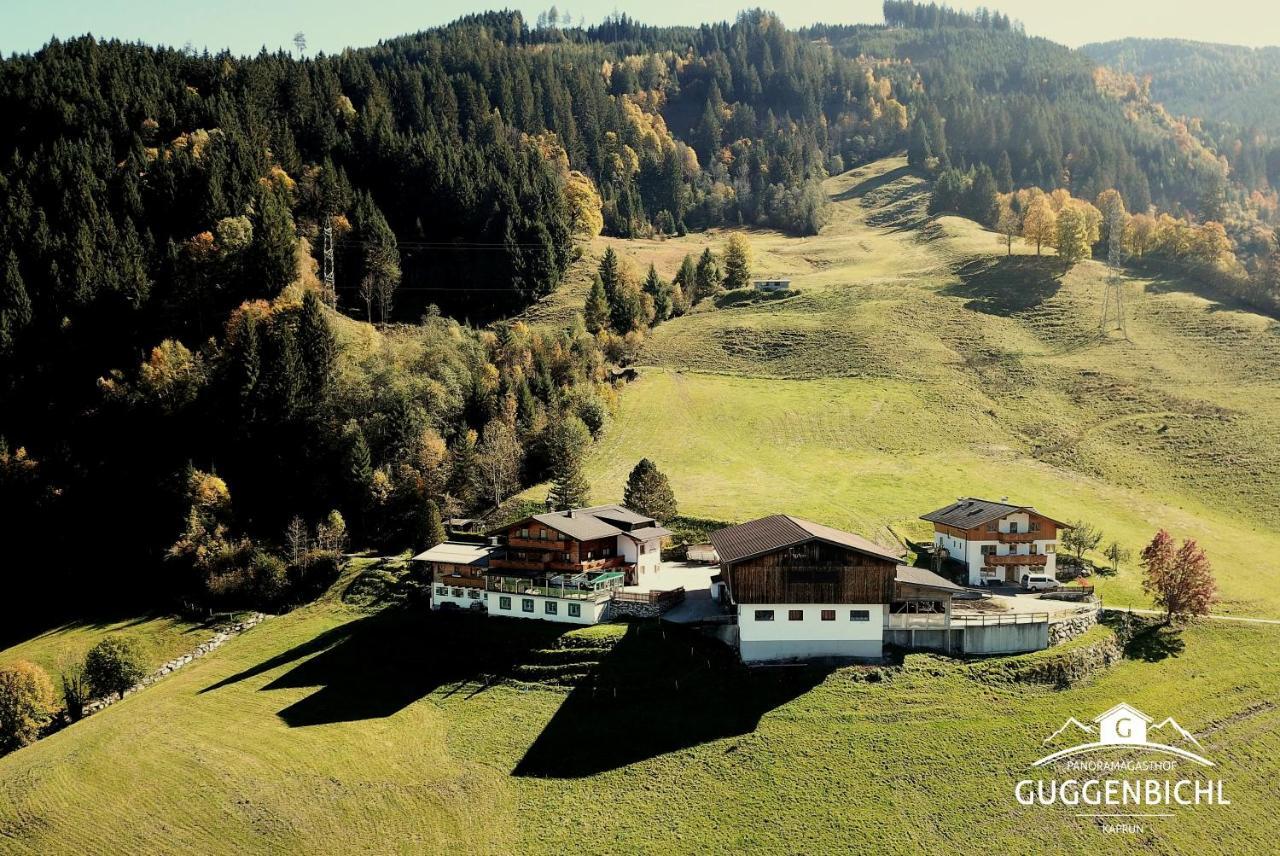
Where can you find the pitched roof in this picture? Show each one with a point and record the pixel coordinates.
(596, 521)
(648, 533)
(457, 553)
(970, 512)
(924, 578)
(1122, 708)
(766, 534)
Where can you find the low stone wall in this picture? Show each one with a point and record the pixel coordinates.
(1061, 667)
(1069, 626)
(216, 641)
(635, 609)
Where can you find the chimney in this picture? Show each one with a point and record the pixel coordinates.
(568, 512)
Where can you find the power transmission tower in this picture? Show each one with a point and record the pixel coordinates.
(331, 292)
(1113, 312)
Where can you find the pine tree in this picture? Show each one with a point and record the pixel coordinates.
(596, 313)
(919, 148)
(567, 445)
(1004, 174)
(982, 202)
(708, 276)
(430, 527)
(660, 292)
(737, 263)
(317, 347)
(357, 467)
(274, 243)
(609, 272)
(649, 493)
(15, 305)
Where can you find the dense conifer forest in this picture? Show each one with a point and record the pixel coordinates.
(181, 392)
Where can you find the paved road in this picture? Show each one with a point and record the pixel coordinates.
(1215, 617)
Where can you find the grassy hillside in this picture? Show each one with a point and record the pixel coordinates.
(161, 638)
(330, 730)
(918, 363)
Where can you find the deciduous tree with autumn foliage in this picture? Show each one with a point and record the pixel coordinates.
(1179, 579)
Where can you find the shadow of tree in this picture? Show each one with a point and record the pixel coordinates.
(1155, 643)
(873, 183)
(375, 666)
(663, 688)
(1008, 284)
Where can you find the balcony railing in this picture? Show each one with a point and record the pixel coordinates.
(1034, 559)
(589, 564)
(916, 621)
(994, 619)
(548, 544)
(518, 564)
(1018, 537)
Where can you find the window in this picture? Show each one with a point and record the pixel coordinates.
(991, 527)
(474, 594)
(988, 549)
(575, 610)
(1050, 548)
(526, 604)
(859, 615)
(550, 607)
(828, 615)
(1032, 549)
(566, 557)
(1035, 525)
(1013, 527)
(642, 549)
(441, 591)
(764, 615)
(504, 603)
(795, 615)
(544, 534)
(457, 592)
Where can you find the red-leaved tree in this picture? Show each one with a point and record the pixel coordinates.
(1179, 580)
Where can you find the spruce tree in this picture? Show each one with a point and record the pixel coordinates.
(317, 347)
(596, 313)
(357, 467)
(1004, 174)
(919, 148)
(431, 528)
(274, 243)
(15, 305)
(707, 276)
(737, 263)
(649, 493)
(610, 275)
(567, 446)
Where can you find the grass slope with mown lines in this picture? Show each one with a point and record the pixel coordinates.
(160, 638)
(917, 362)
(330, 730)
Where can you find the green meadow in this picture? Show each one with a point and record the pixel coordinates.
(341, 731)
(913, 362)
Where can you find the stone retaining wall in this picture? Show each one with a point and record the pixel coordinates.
(1070, 626)
(216, 641)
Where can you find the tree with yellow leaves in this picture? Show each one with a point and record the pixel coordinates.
(1039, 224)
(1072, 233)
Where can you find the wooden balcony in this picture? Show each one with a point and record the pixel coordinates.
(1018, 537)
(589, 565)
(559, 545)
(1031, 559)
(518, 564)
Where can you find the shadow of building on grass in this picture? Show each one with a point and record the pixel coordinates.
(661, 689)
(376, 666)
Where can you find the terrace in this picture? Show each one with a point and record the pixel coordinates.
(584, 586)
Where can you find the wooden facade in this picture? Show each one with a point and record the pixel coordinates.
(1040, 528)
(813, 572)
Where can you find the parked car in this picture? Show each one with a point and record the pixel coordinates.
(1038, 582)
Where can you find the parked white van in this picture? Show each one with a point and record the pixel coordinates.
(1039, 582)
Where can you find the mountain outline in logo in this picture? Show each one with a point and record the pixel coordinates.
(1124, 726)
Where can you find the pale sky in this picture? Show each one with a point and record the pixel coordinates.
(330, 25)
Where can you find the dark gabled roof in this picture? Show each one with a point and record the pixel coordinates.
(924, 578)
(970, 512)
(586, 524)
(648, 533)
(767, 534)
